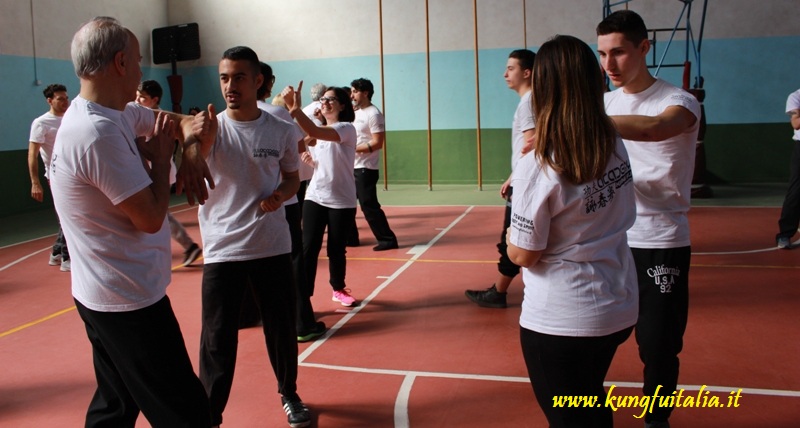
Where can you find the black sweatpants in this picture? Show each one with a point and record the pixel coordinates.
(224, 285)
(141, 363)
(663, 276)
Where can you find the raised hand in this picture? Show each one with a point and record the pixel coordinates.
(194, 178)
(291, 97)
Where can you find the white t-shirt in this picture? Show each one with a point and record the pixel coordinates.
(281, 113)
(96, 166)
(523, 121)
(43, 131)
(333, 184)
(584, 284)
(368, 121)
(662, 170)
(246, 162)
(792, 103)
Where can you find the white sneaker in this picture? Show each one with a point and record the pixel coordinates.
(55, 259)
(65, 266)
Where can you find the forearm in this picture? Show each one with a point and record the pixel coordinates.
(159, 173)
(183, 125)
(290, 184)
(638, 128)
(310, 128)
(795, 119)
(33, 165)
(365, 147)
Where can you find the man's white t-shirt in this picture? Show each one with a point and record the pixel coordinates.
(584, 284)
(96, 166)
(246, 162)
(43, 131)
(662, 170)
(792, 103)
(369, 120)
(333, 184)
(523, 121)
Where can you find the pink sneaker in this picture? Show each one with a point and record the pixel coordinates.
(343, 296)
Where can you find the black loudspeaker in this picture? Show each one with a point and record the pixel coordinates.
(176, 43)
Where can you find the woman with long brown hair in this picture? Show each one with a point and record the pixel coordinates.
(573, 203)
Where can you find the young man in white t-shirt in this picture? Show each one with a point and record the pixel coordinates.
(43, 135)
(113, 212)
(518, 78)
(659, 124)
(246, 236)
(371, 131)
(149, 94)
(790, 212)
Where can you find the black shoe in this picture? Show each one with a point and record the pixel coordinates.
(383, 246)
(489, 298)
(191, 255)
(307, 336)
(297, 413)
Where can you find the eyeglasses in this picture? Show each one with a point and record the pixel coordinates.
(327, 99)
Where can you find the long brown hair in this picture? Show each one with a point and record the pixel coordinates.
(574, 135)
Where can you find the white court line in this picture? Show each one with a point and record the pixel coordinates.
(521, 379)
(401, 402)
(25, 242)
(23, 258)
(401, 419)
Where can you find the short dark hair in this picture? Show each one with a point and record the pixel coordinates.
(152, 88)
(348, 114)
(627, 22)
(363, 85)
(263, 90)
(243, 53)
(525, 58)
(50, 90)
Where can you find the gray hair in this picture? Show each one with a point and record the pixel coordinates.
(96, 43)
(317, 91)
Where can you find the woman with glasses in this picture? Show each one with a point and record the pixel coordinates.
(573, 203)
(331, 195)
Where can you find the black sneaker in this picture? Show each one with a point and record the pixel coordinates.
(489, 298)
(297, 413)
(307, 336)
(191, 255)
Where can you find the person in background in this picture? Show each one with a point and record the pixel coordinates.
(519, 68)
(371, 129)
(331, 197)
(40, 143)
(149, 94)
(790, 212)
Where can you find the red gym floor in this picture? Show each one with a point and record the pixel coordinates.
(416, 353)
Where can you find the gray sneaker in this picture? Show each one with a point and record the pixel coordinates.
(489, 298)
(784, 243)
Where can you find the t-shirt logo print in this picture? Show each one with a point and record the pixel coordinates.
(263, 153)
(601, 191)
